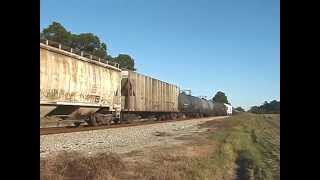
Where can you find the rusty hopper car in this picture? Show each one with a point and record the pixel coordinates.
(75, 87)
(145, 95)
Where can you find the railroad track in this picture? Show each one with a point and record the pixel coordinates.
(59, 130)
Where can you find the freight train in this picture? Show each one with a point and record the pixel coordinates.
(77, 87)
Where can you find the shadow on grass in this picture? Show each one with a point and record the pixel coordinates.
(247, 168)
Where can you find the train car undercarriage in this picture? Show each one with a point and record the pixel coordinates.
(71, 115)
(74, 117)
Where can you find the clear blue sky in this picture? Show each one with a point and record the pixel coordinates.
(202, 45)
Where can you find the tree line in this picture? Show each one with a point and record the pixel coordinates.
(87, 42)
(266, 107)
(272, 107)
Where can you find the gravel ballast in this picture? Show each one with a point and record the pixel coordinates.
(121, 140)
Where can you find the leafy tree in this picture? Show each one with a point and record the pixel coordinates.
(87, 42)
(254, 109)
(275, 106)
(90, 43)
(266, 107)
(220, 97)
(56, 32)
(240, 109)
(125, 61)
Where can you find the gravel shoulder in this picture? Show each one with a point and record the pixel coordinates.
(122, 140)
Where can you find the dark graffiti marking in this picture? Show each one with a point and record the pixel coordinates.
(61, 95)
(57, 94)
(90, 98)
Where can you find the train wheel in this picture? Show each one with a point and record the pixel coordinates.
(162, 117)
(117, 121)
(173, 116)
(92, 120)
(77, 124)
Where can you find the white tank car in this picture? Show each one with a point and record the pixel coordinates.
(229, 109)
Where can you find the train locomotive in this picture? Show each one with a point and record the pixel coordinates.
(79, 88)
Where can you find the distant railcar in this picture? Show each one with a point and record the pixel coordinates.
(229, 109)
(196, 106)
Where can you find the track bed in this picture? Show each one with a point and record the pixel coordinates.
(59, 130)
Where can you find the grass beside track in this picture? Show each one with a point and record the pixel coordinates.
(244, 146)
(247, 143)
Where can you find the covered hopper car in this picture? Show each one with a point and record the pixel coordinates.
(74, 87)
(148, 97)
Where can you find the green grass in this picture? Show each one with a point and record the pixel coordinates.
(247, 146)
(248, 143)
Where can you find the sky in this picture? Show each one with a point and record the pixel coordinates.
(202, 45)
